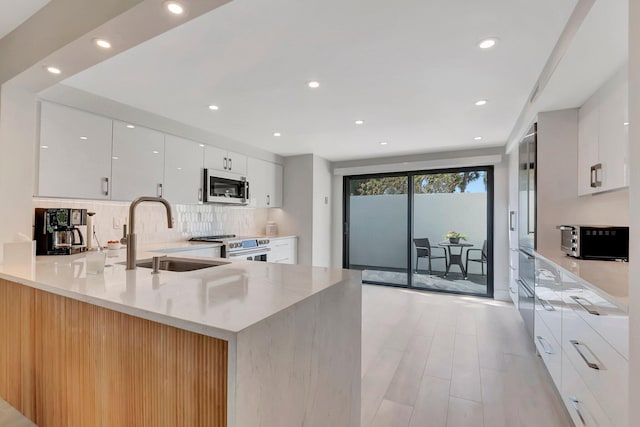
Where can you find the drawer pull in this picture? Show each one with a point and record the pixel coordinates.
(543, 342)
(576, 345)
(587, 309)
(576, 406)
(546, 305)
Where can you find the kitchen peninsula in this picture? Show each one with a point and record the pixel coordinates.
(243, 344)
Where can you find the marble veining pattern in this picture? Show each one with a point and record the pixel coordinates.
(317, 345)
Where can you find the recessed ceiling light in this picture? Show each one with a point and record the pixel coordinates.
(487, 43)
(115, 157)
(359, 122)
(481, 102)
(313, 85)
(201, 145)
(131, 127)
(156, 152)
(174, 7)
(214, 107)
(179, 169)
(277, 134)
(44, 146)
(383, 143)
(53, 70)
(626, 123)
(104, 44)
(477, 138)
(84, 138)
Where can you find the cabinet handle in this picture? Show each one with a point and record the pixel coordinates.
(268, 200)
(105, 186)
(592, 177)
(576, 407)
(159, 191)
(545, 304)
(512, 222)
(224, 163)
(543, 342)
(230, 163)
(199, 194)
(599, 169)
(587, 309)
(576, 345)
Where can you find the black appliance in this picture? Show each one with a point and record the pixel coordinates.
(221, 187)
(526, 226)
(595, 242)
(56, 231)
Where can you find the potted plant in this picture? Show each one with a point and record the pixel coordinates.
(454, 237)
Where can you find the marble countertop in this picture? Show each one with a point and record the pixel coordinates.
(608, 278)
(218, 301)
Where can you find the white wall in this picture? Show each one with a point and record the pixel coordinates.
(501, 231)
(379, 236)
(322, 175)
(296, 215)
(18, 124)
(557, 183)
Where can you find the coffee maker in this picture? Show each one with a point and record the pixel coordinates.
(56, 231)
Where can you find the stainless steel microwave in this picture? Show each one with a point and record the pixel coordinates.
(222, 187)
(595, 242)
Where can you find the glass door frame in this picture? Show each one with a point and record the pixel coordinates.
(346, 193)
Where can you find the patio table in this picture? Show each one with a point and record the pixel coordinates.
(455, 258)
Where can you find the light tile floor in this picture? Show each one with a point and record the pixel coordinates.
(436, 360)
(9, 417)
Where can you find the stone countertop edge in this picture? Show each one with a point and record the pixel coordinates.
(265, 289)
(594, 284)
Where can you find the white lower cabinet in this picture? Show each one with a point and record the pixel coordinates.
(283, 250)
(582, 340)
(580, 402)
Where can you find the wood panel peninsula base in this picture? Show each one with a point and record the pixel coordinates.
(70, 355)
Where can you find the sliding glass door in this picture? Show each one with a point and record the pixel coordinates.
(378, 227)
(434, 234)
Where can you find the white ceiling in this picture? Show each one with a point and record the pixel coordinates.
(15, 13)
(410, 68)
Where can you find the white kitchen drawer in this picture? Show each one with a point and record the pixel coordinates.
(580, 402)
(549, 349)
(605, 318)
(602, 369)
(548, 292)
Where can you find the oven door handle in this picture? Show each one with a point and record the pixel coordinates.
(260, 251)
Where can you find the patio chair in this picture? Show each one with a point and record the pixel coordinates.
(424, 250)
(482, 260)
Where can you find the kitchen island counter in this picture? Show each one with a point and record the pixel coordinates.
(289, 331)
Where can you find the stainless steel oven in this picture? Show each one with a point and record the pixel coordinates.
(222, 187)
(239, 248)
(595, 242)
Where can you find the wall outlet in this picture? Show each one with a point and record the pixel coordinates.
(117, 223)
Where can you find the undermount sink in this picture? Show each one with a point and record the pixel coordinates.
(180, 264)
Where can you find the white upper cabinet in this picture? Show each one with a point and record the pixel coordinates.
(75, 153)
(603, 138)
(137, 162)
(183, 162)
(265, 184)
(226, 161)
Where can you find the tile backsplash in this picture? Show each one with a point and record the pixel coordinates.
(151, 222)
